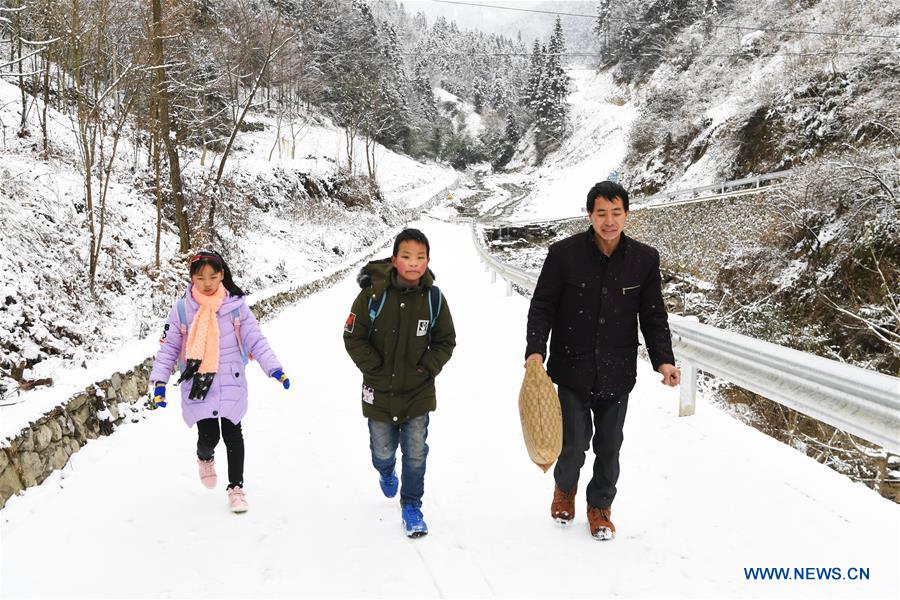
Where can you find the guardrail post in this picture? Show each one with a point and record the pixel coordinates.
(687, 403)
(493, 276)
(509, 290)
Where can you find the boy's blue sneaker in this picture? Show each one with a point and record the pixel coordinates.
(389, 484)
(413, 522)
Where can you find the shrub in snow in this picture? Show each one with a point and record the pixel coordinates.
(751, 44)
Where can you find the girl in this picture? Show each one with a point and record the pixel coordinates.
(211, 333)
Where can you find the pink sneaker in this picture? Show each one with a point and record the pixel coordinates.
(237, 501)
(208, 472)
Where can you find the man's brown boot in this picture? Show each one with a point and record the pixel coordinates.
(563, 507)
(602, 527)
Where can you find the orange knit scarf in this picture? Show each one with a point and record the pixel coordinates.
(203, 337)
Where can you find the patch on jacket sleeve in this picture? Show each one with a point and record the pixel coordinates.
(349, 323)
(368, 394)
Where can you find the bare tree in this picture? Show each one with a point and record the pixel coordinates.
(161, 112)
(278, 38)
(103, 73)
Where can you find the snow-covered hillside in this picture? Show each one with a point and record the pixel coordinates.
(463, 113)
(600, 118)
(281, 220)
(701, 499)
(742, 100)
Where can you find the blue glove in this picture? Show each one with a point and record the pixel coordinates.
(158, 399)
(281, 377)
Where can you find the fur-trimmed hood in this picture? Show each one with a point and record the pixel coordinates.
(377, 274)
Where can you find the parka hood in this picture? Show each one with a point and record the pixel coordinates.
(377, 275)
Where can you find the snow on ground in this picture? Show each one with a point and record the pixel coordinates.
(601, 117)
(701, 498)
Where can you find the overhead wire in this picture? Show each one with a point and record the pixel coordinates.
(577, 54)
(640, 22)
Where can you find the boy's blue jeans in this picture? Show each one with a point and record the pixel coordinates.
(410, 436)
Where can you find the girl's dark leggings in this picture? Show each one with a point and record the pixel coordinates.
(208, 438)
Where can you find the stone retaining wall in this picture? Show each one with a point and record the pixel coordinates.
(48, 443)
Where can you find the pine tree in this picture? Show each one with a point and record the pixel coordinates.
(551, 108)
(535, 70)
(422, 88)
(602, 24)
(507, 145)
(499, 98)
(511, 131)
(386, 116)
(627, 37)
(478, 94)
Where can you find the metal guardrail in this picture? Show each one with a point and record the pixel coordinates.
(723, 189)
(512, 275)
(856, 400)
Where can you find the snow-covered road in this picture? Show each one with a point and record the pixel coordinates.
(700, 500)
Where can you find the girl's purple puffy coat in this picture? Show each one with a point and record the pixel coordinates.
(228, 395)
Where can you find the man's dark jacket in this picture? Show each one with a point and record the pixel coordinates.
(594, 317)
(399, 354)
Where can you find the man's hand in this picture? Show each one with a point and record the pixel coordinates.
(536, 356)
(671, 374)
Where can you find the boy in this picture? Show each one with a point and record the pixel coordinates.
(400, 335)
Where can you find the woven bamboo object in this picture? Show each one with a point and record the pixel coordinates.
(540, 415)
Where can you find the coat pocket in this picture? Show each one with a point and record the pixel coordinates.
(233, 381)
(631, 296)
(419, 375)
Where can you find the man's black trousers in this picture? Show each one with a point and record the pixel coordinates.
(587, 414)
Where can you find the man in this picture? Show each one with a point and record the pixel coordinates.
(592, 289)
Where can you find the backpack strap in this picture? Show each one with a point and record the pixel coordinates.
(236, 321)
(183, 327)
(376, 303)
(434, 300)
(181, 307)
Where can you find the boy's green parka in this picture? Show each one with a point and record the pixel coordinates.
(401, 356)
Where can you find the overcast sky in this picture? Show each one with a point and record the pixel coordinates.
(494, 20)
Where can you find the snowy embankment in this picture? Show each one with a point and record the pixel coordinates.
(322, 147)
(283, 238)
(700, 500)
(601, 116)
